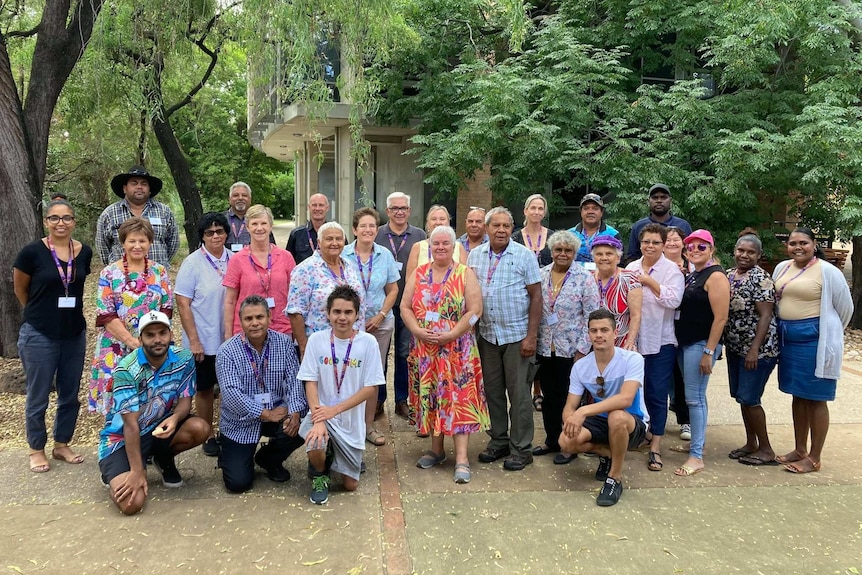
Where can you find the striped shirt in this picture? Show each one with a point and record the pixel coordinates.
(167, 234)
(504, 281)
(138, 388)
(244, 397)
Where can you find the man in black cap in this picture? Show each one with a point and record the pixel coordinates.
(137, 188)
(659, 213)
(591, 227)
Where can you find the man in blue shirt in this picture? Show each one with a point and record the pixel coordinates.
(260, 396)
(617, 419)
(149, 415)
(592, 226)
(659, 213)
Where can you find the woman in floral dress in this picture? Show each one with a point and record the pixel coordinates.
(442, 301)
(128, 288)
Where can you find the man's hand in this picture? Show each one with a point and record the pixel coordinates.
(528, 346)
(126, 491)
(573, 424)
(274, 415)
(323, 413)
(317, 437)
(166, 427)
(197, 350)
(291, 425)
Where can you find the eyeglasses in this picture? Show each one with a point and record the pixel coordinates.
(600, 381)
(211, 233)
(58, 219)
(398, 208)
(651, 242)
(699, 247)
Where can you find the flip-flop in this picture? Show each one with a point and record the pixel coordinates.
(687, 471)
(74, 460)
(755, 460)
(737, 453)
(784, 460)
(794, 468)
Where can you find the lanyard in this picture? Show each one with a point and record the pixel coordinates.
(311, 242)
(735, 283)
(212, 262)
(345, 361)
(604, 289)
(435, 298)
(552, 297)
(341, 269)
(392, 244)
(263, 285)
(366, 285)
(67, 275)
(237, 234)
(259, 372)
(538, 243)
(492, 268)
(778, 292)
(466, 243)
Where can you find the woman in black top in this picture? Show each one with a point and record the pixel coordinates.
(48, 278)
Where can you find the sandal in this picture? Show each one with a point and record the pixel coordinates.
(537, 402)
(791, 457)
(429, 459)
(462, 473)
(374, 437)
(687, 470)
(654, 464)
(796, 467)
(75, 459)
(39, 467)
(737, 453)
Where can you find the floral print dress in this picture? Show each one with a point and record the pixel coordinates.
(117, 297)
(447, 393)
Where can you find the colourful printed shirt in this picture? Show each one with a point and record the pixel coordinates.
(564, 319)
(138, 388)
(746, 291)
(310, 285)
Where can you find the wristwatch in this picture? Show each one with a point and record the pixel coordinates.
(708, 351)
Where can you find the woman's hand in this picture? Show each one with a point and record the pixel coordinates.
(706, 364)
(425, 335)
(440, 338)
(372, 324)
(751, 359)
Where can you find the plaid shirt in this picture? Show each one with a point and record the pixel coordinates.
(239, 418)
(506, 303)
(167, 234)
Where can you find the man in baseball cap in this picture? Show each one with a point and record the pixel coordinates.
(149, 415)
(136, 189)
(659, 213)
(592, 226)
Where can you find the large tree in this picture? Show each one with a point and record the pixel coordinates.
(27, 102)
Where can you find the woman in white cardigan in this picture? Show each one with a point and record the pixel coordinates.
(814, 307)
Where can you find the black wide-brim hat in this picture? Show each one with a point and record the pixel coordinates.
(120, 180)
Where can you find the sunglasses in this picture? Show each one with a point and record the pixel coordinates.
(57, 219)
(211, 233)
(480, 208)
(699, 247)
(600, 381)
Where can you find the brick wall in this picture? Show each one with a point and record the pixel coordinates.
(474, 193)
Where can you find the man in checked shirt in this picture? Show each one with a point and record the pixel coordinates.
(260, 396)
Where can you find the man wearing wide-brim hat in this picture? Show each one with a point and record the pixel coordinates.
(136, 189)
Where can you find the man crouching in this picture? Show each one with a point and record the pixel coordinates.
(617, 420)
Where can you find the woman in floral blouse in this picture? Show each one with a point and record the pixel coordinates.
(752, 346)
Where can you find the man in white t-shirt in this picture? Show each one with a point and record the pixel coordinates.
(617, 420)
(341, 370)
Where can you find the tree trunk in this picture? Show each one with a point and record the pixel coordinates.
(182, 174)
(63, 33)
(856, 290)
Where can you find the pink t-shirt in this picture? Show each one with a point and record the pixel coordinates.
(251, 279)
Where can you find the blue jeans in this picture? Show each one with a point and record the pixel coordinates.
(658, 381)
(402, 338)
(695, 392)
(42, 359)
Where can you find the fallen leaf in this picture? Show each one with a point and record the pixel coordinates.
(318, 562)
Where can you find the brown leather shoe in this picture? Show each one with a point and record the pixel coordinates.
(402, 410)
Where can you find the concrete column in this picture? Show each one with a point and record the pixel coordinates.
(345, 180)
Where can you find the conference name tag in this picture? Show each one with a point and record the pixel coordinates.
(235, 247)
(270, 301)
(432, 316)
(263, 399)
(155, 220)
(552, 319)
(590, 266)
(399, 265)
(66, 302)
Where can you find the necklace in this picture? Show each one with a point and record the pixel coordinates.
(139, 284)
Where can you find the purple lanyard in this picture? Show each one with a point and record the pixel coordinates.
(212, 262)
(735, 283)
(66, 276)
(552, 298)
(538, 243)
(259, 372)
(466, 243)
(340, 380)
(435, 298)
(778, 292)
(311, 242)
(604, 289)
(429, 250)
(366, 285)
(492, 268)
(263, 286)
(341, 269)
(237, 234)
(392, 244)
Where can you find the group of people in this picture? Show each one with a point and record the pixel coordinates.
(297, 339)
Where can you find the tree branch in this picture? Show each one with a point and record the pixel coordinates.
(213, 54)
(22, 33)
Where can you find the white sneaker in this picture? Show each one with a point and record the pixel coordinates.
(685, 432)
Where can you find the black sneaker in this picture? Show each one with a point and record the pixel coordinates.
(517, 462)
(492, 454)
(170, 474)
(603, 469)
(610, 493)
(275, 472)
(320, 489)
(210, 447)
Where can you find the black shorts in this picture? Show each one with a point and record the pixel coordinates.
(117, 463)
(598, 428)
(205, 373)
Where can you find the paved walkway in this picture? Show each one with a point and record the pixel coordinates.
(728, 519)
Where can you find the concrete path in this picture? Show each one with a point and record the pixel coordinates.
(728, 519)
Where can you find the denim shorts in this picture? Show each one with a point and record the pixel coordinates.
(747, 385)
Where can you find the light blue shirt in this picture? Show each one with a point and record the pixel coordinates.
(199, 281)
(384, 271)
(506, 303)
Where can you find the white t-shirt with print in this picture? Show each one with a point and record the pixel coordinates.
(364, 368)
(624, 366)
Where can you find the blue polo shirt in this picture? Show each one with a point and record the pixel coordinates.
(634, 251)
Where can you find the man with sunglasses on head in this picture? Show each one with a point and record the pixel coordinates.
(475, 225)
(660, 203)
(617, 420)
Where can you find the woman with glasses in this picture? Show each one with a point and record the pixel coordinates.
(674, 250)
(200, 301)
(702, 316)
(48, 278)
(128, 288)
(814, 307)
(662, 291)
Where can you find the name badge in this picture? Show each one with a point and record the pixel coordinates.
(486, 291)
(235, 247)
(590, 266)
(262, 399)
(399, 265)
(155, 220)
(432, 316)
(552, 319)
(66, 302)
(270, 301)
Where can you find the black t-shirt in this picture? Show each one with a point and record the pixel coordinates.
(695, 311)
(46, 288)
